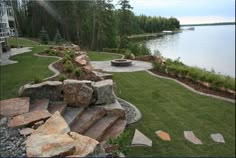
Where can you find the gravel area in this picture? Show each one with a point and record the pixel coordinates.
(11, 142)
(129, 111)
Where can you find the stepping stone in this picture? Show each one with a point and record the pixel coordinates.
(114, 109)
(163, 135)
(189, 135)
(117, 128)
(29, 118)
(60, 107)
(218, 138)
(140, 139)
(39, 104)
(71, 114)
(14, 106)
(100, 127)
(87, 119)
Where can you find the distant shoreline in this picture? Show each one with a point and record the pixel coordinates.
(210, 24)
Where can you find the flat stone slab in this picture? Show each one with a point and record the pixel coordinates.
(189, 135)
(163, 135)
(54, 125)
(136, 66)
(60, 107)
(217, 138)
(14, 106)
(71, 113)
(140, 139)
(29, 118)
(84, 145)
(39, 104)
(38, 145)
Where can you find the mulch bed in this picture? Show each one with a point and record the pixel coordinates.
(197, 86)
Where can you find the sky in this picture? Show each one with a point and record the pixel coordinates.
(187, 11)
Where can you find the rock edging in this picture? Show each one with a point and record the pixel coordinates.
(138, 114)
(191, 89)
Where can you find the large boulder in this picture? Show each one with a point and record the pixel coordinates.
(14, 106)
(51, 139)
(103, 92)
(77, 93)
(39, 145)
(84, 145)
(49, 89)
(82, 60)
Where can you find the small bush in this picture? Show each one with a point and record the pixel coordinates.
(62, 77)
(37, 80)
(127, 54)
(69, 67)
(77, 72)
(66, 58)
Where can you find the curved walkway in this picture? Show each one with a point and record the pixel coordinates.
(5, 57)
(191, 89)
(136, 66)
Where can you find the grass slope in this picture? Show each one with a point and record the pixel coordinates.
(100, 56)
(28, 67)
(21, 41)
(167, 106)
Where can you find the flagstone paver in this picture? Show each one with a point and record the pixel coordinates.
(140, 139)
(14, 106)
(163, 135)
(189, 135)
(218, 138)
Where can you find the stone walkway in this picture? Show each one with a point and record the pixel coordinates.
(136, 66)
(14, 51)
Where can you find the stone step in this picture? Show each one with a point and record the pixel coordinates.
(71, 114)
(117, 128)
(101, 127)
(60, 107)
(87, 119)
(39, 104)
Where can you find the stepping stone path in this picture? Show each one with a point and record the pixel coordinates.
(218, 138)
(189, 135)
(140, 139)
(14, 106)
(163, 135)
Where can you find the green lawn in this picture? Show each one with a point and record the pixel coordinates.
(167, 106)
(100, 56)
(164, 104)
(21, 41)
(29, 67)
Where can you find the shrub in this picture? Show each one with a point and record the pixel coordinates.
(62, 77)
(69, 67)
(127, 54)
(66, 58)
(37, 80)
(77, 72)
(121, 141)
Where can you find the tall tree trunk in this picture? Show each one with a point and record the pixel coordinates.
(93, 32)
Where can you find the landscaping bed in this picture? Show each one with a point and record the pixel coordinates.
(197, 86)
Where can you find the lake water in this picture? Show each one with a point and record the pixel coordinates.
(209, 47)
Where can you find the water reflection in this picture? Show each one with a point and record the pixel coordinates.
(210, 47)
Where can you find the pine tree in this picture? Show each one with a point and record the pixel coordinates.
(58, 38)
(43, 36)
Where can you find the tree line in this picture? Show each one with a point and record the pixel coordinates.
(94, 24)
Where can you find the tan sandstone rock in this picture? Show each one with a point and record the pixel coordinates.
(14, 106)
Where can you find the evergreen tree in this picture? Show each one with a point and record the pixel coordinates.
(57, 38)
(43, 36)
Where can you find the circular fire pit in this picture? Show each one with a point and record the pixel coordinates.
(121, 62)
